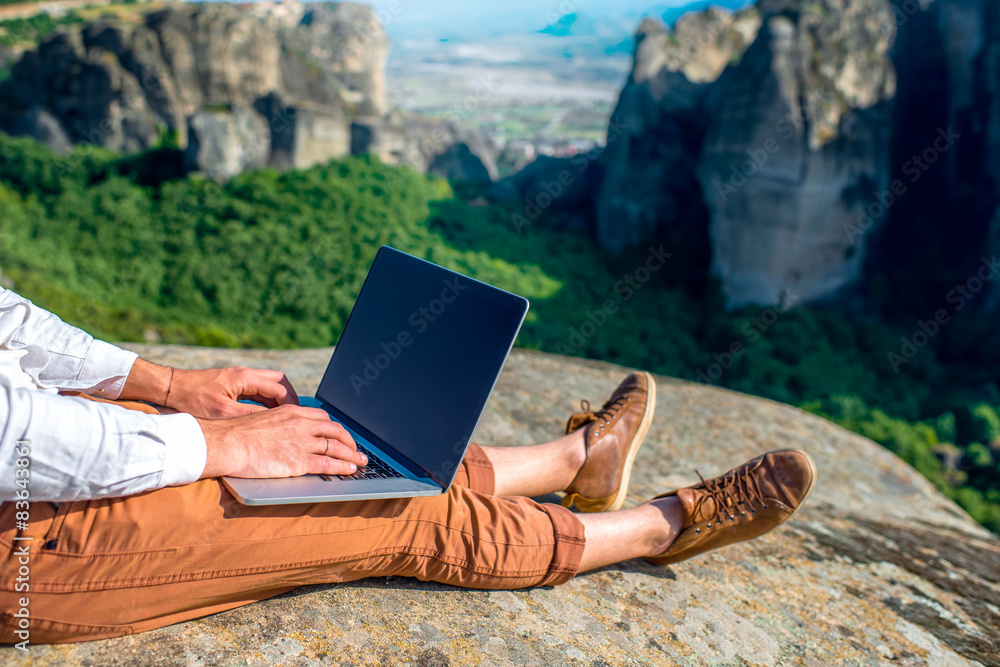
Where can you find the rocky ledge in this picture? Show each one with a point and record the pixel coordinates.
(879, 568)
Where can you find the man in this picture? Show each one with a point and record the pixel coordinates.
(109, 467)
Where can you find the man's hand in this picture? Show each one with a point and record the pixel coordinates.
(208, 394)
(214, 393)
(284, 442)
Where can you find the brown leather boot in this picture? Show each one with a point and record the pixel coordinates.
(614, 434)
(743, 504)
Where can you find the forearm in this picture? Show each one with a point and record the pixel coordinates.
(148, 382)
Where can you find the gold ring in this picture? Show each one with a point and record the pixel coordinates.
(327, 450)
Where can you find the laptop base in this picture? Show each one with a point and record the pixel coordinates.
(313, 489)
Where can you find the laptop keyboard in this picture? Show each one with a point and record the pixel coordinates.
(376, 469)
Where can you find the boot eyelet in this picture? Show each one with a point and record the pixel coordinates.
(764, 507)
(697, 531)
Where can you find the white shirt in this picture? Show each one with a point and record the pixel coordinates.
(80, 449)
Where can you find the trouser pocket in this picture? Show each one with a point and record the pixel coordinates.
(51, 540)
(29, 525)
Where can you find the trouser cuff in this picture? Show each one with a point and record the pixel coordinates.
(569, 543)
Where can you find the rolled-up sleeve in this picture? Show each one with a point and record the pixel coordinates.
(57, 355)
(80, 449)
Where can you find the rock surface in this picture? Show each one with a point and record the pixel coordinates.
(878, 568)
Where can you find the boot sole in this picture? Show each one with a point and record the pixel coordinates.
(601, 505)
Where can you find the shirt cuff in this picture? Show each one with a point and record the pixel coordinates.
(186, 451)
(105, 360)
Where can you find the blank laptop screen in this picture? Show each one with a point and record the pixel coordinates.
(419, 356)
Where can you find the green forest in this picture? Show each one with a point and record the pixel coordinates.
(128, 249)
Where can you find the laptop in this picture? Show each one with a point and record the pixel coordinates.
(409, 379)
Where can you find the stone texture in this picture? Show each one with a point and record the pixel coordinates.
(948, 62)
(348, 40)
(798, 140)
(223, 143)
(878, 569)
(656, 130)
(292, 77)
(775, 133)
(428, 145)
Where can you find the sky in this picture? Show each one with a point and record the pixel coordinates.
(444, 18)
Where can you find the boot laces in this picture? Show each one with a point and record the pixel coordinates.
(606, 413)
(736, 490)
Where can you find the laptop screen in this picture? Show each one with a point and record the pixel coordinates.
(419, 356)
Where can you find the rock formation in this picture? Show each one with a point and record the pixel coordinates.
(815, 143)
(280, 85)
(878, 568)
(797, 144)
(642, 183)
(947, 56)
(227, 141)
(771, 134)
(656, 129)
(428, 145)
(347, 39)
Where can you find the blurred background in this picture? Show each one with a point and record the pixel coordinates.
(794, 199)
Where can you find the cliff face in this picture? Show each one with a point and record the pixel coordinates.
(815, 144)
(658, 125)
(280, 85)
(797, 143)
(770, 134)
(430, 145)
(948, 61)
(877, 569)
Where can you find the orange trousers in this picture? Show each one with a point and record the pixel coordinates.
(117, 566)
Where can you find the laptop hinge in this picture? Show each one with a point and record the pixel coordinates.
(399, 458)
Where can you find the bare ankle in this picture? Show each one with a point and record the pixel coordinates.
(576, 453)
(671, 513)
